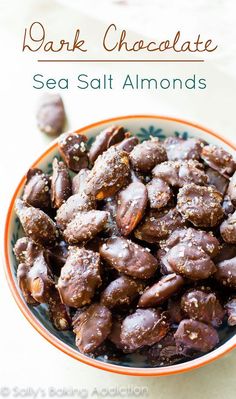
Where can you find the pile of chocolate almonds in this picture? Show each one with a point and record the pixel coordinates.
(132, 245)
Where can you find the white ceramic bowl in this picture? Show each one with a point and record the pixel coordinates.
(143, 126)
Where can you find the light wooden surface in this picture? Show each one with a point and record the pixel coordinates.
(27, 360)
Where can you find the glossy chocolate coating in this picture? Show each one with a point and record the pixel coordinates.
(159, 193)
(132, 202)
(37, 189)
(230, 307)
(203, 306)
(128, 144)
(180, 173)
(120, 292)
(226, 272)
(76, 203)
(205, 240)
(196, 336)
(228, 229)
(61, 184)
(178, 148)
(161, 291)
(217, 180)
(85, 226)
(200, 205)
(51, 114)
(73, 150)
(109, 174)
(219, 159)
(232, 189)
(128, 258)
(108, 137)
(91, 327)
(159, 224)
(36, 224)
(146, 155)
(144, 327)
(191, 262)
(79, 181)
(141, 250)
(80, 276)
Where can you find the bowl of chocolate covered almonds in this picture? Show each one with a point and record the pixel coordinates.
(120, 245)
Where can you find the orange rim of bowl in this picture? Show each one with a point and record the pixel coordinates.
(132, 371)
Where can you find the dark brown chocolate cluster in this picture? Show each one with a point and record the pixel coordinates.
(132, 245)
